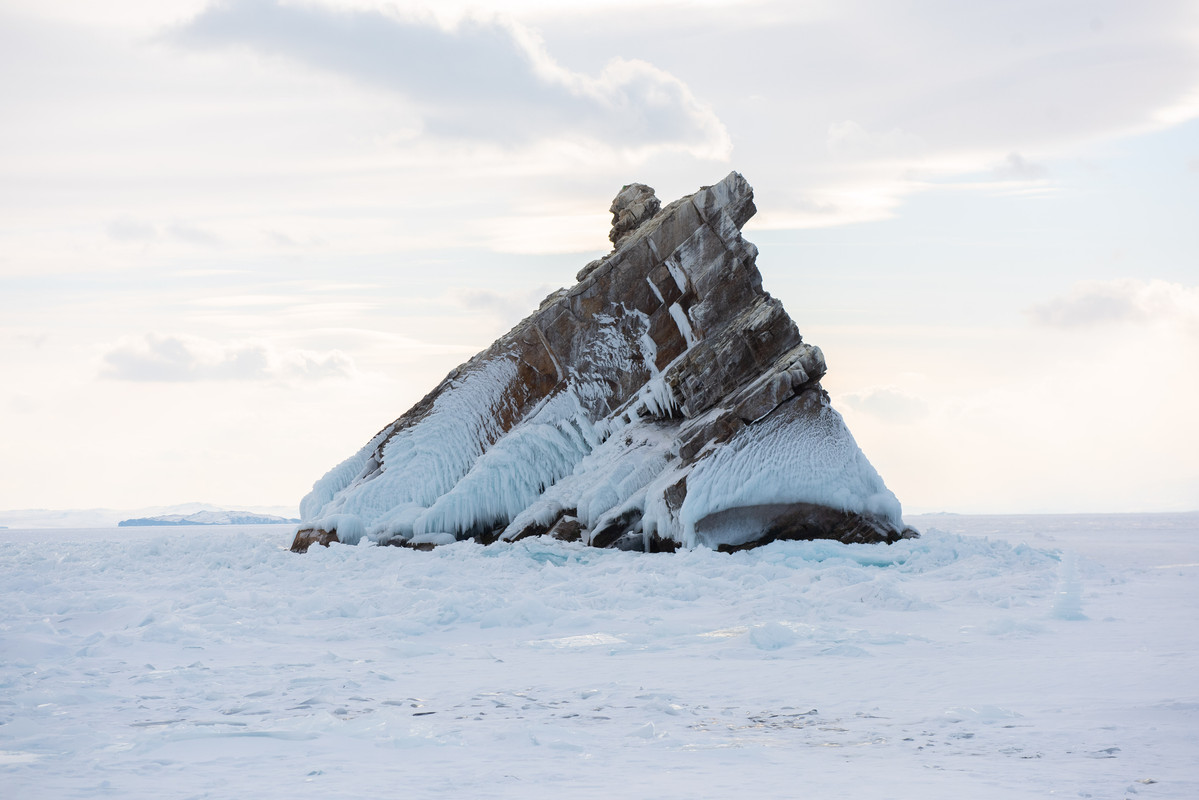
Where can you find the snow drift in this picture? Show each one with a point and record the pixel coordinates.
(664, 401)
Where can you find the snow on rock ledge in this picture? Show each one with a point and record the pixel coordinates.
(664, 401)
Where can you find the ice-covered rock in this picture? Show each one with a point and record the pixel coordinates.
(664, 401)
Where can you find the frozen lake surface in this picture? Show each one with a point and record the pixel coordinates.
(995, 657)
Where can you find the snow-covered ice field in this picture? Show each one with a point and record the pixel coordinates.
(996, 657)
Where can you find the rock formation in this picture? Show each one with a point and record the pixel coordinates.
(664, 401)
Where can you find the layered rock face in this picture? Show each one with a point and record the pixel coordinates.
(664, 401)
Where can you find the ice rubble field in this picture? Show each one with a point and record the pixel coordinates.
(996, 657)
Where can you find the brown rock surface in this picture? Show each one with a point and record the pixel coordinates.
(635, 204)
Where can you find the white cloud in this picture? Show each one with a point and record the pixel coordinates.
(126, 229)
(888, 403)
(307, 365)
(533, 233)
(22, 403)
(1021, 421)
(508, 307)
(1097, 303)
(191, 234)
(1017, 168)
(163, 358)
(313, 155)
(850, 139)
(484, 78)
(129, 230)
(34, 340)
(847, 105)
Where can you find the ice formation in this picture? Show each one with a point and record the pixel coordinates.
(664, 401)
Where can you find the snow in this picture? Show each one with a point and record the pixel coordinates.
(995, 657)
(682, 323)
(423, 461)
(675, 266)
(338, 478)
(777, 462)
(452, 472)
(612, 475)
(653, 286)
(457, 471)
(509, 477)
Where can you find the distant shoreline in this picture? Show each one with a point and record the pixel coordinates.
(208, 518)
(151, 522)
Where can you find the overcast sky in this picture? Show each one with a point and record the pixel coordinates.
(237, 238)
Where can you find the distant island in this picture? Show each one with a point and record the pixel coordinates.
(208, 518)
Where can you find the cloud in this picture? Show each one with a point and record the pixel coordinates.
(34, 340)
(126, 229)
(174, 358)
(193, 235)
(484, 79)
(1016, 168)
(848, 138)
(317, 366)
(1097, 303)
(280, 239)
(540, 233)
(159, 358)
(849, 113)
(133, 231)
(508, 306)
(23, 404)
(889, 403)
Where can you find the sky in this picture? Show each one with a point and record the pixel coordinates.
(238, 238)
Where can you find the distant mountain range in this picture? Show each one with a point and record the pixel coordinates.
(208, 518)
(173, 514)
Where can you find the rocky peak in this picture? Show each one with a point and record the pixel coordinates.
(635, 204)
(666, 400)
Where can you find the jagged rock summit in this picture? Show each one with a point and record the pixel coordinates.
(664, 401)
